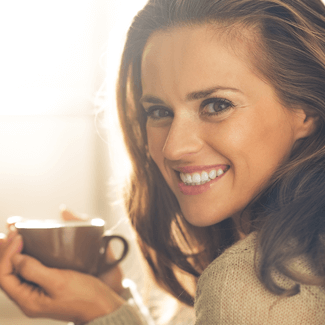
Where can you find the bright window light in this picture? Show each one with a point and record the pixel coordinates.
(126, 10)
(47, 60)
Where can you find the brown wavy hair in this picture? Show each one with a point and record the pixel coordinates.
(288, 52)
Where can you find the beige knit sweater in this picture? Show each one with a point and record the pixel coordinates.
(229, 293)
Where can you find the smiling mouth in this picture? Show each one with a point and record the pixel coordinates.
(200, 178)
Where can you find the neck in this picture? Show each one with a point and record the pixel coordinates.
(242, 223)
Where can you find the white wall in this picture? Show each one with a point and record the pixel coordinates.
(50, 71)
(51, 65)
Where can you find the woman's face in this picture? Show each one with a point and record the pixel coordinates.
(215, 130)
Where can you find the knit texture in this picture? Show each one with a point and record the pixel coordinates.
(125, 315)
(229, 293)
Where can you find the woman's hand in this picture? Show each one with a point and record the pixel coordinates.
(52, 293)
(113, 278)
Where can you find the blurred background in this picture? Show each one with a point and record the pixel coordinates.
(58, 65)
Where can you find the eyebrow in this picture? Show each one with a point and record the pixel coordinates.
(189, 97)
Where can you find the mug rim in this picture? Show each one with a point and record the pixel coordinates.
(53, 223)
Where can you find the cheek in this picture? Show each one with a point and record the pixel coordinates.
(258, 134)
(156, 141)
(264, 153)
(254, 146)
(232, 140)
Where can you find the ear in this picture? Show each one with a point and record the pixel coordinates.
(304, 123)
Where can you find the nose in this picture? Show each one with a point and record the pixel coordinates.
(183, 140)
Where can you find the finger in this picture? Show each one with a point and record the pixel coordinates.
(11, 221)
(12, 234)
(7, 278)
(26, 294)
(110, 257)
(13, 246)
(67, 215)
(31, 270)
(3, 242)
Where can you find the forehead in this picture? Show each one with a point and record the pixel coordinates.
(195, 57)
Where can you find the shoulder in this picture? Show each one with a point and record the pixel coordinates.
(227, 277)
(233, 257)
(229, 291)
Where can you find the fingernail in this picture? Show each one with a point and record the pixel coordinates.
(12, 228)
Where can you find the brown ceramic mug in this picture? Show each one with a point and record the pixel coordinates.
(74, 245)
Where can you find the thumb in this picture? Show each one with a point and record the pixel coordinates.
(12, 246)
(8, 279)
(31, 270)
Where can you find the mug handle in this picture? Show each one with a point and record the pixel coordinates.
(103, 265)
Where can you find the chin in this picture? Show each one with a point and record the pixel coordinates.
(203, 220)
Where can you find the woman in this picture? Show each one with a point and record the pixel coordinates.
(222, 107)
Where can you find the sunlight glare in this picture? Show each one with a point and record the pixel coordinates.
(118, 155)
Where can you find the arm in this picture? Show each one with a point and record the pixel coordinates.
(126, 315)
(133, 312)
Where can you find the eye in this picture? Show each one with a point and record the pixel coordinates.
(158, 113)
(216, 106)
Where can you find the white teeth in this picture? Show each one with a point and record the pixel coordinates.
(183, 177)
(197, 179)
(188, 178)
(213, 174)
(204, 177)
(219, 172)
